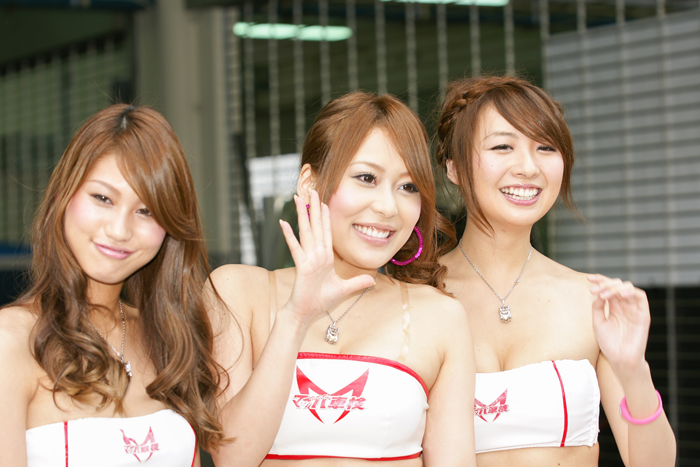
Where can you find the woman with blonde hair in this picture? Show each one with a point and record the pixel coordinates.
(551, 344)
(351, 363)
(107, 358)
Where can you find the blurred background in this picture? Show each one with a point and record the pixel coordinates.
(242, 81)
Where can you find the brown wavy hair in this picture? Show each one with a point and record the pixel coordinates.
(168, 291)
(528, 108)
(334, 139)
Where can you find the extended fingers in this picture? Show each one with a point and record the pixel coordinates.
(316, 217)
(306, 237)
(292, 242)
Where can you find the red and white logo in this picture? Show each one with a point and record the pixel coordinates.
(313, 398)
(147, 448)
(493, 410)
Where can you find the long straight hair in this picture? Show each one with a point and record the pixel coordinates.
(168, 291)
(334, 139)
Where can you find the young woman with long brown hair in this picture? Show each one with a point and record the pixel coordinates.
(107, 358)
(550, 343)
(346, 357)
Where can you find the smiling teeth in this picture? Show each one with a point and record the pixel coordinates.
(372, 232)
(520, 193)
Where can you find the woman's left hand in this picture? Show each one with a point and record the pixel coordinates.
(622, 334)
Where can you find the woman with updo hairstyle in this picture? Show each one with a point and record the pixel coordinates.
(551, 344)
(351, 344)
(106, 359)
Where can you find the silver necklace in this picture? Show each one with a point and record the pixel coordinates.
(503, 310)
(126, 364)
(332, 331)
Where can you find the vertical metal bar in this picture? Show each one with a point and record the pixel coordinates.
(411, 70)
(10, 154)
(474, 39)
(58, 144)
(42, 118)
(661, 8)
(672, 355)
(509, 28)
(299, 98)
(23, 154)
(380, 33)
(544, 36)
(443, 67)
(91, 73)
(4, 197)
(325, 53)
(232, 186)
(581, 16)
(249, 85)
(274, 80)
(353, 81)
(620, 12)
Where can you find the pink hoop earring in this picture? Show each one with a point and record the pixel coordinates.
(308, 210)
(415, 257)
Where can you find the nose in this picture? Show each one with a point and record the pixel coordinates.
(119, 226)
(526, 165)
(385, 202)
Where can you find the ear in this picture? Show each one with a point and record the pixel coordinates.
(306, 182)
(451, 171)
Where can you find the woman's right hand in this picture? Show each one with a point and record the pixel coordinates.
(317, 287)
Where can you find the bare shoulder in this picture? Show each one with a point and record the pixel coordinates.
(564, 282)
(16, 323)
(430, 302)
(236, 283)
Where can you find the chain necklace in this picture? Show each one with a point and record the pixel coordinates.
(126, 364)
(332, 331)
(503, 310)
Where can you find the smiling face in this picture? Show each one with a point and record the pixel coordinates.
(376, 205)
(516, 179)
(109, 230)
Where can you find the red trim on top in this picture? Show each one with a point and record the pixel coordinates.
(194, 454)
(65, 439)
(367, 358)
(380, 459)
(563, 397)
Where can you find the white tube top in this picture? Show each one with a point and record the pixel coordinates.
(546, 404)
(162, 439)
(352, 406)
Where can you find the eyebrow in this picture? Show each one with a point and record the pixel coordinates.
(376, 166)
(502, 133)
(105, 184)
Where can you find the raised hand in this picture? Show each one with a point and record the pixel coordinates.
(622, 334)
(317, 288)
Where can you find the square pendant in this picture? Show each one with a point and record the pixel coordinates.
(127, 367)
(332, 335)
(504, 313)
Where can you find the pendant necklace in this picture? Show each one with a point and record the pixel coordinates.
(332, 331)
(126, 364)
(503, 310)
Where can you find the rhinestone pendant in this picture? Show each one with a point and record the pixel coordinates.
(504, 313)
(332, 334)
(127, 367)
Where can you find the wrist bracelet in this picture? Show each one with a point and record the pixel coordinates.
(624, 411)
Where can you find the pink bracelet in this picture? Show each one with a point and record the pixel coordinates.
(624, 411)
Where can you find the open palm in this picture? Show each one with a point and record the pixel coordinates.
(317, 287)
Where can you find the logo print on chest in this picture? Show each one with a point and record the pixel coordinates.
(147, 448)
(495, 408)
(322, 400)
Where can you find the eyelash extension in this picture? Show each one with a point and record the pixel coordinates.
(365, 174)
